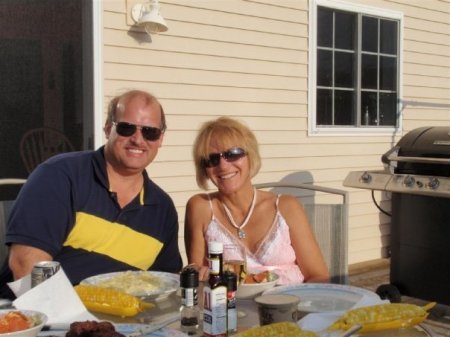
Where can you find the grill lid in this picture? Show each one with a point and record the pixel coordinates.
(423, 150)
(431, 142)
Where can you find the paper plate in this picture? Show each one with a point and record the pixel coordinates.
(321, 297)
(154, 285)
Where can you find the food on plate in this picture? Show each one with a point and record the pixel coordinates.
(92, 329)
(383, 317)
(132, 282)
(284, 329)
(264, 276)
(15, 321)
(111, 301)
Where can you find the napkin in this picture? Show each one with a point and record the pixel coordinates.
(55, 297)
(319, 322)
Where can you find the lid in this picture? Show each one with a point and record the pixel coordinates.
(189, 277)
(215, 247)
(277, 300)
(425, 142)
(230, 279)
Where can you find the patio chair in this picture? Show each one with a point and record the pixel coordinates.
(5, 209)
(328, 218)
(39, 144)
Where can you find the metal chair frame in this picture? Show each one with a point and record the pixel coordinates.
(329, 222)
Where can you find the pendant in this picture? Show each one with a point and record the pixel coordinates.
(241, 234)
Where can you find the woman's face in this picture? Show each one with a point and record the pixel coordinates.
(228, 176)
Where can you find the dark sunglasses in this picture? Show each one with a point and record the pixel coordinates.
(127, 130)
(230, 155)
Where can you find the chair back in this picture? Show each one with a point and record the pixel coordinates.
(37, 145)
(327, 211)
(5, 209)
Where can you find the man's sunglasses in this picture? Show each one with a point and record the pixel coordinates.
(127, 130)
(230, 155)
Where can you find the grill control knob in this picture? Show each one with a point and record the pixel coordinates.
(409, 181)
(366, 178)
(433, 183)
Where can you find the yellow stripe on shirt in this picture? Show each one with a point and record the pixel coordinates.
(120, 242)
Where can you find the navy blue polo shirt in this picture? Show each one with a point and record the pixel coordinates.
(66, 209)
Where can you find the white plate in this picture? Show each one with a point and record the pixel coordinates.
(321, 297)
(167, 283)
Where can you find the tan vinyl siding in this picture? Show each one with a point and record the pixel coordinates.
(249, 59)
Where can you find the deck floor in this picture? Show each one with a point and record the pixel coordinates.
(370, 275)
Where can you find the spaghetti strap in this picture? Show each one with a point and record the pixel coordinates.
(278, 199)
(211, 206)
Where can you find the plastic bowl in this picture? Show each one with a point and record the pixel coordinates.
(38, 317)
(251, 290)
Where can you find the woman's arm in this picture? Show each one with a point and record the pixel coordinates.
(197, 217)
(309, 256)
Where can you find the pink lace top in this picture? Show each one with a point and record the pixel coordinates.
(274, 253)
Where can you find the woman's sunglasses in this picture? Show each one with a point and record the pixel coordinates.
(127, 130)
(230, 155)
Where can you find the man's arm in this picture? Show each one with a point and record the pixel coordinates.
(22, 259)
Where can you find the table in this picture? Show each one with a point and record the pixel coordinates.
(247, 319)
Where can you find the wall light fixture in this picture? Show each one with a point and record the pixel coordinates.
(148, 16)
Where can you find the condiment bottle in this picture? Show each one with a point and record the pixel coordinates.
(231, 282)
(215, 294)
(190, 312)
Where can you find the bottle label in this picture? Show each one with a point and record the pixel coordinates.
(215, 311)
(214, 266)
(188, 297)
(231, 311)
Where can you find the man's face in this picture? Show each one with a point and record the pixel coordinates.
(132, 154)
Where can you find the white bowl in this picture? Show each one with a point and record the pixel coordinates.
(251, 290)
(38, 317)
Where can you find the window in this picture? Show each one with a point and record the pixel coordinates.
(355, 67)
(46, 65)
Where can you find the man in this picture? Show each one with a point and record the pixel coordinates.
(98, 211)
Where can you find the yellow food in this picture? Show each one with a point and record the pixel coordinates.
(111, 301)
(283, 329)
(383, 317)
(132, 282)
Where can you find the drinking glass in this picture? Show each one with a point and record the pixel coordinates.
(234, 260)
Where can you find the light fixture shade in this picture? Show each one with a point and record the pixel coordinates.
(153, 22)
(149, 17)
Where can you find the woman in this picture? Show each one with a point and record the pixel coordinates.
(273, 229)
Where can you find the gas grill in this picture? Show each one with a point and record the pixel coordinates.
(417, 172)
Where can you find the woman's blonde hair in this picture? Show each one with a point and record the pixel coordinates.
(228, 133)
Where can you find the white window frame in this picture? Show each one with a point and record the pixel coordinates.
(313, 129)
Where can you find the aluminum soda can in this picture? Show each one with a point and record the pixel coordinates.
(42, 271)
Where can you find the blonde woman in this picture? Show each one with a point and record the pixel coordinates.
(273, 229)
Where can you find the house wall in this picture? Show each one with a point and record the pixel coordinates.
(249, 59)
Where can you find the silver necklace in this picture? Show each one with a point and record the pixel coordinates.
(240, 229)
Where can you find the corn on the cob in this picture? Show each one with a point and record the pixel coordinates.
(110, 301)
(383, 317)
(282, 329)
